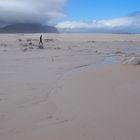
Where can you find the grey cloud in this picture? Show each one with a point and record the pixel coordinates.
(30, 11)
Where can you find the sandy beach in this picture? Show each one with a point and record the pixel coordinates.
(77, 87)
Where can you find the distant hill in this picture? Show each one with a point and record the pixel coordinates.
(28, 28)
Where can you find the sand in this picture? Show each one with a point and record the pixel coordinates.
(75, 88)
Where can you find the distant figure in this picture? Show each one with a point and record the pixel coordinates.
(40, 42)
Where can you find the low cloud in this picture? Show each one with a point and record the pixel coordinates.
(30, 11)
(130, 23)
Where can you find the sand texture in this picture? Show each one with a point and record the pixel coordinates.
(74, 87)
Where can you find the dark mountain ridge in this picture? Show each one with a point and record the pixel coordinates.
(28, 28)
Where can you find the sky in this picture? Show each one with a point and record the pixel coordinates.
(74, 15)
(100, 9)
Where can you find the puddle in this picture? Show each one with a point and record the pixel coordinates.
(133, 49)
(109, 60)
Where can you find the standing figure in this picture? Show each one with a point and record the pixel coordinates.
(40, 41)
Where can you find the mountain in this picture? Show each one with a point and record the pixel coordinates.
(28, 28)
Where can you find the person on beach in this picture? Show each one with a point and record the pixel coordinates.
(40, 41)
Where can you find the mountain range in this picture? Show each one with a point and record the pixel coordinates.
(28, 28)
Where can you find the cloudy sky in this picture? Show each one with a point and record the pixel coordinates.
(74, 15)
(31, 11)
